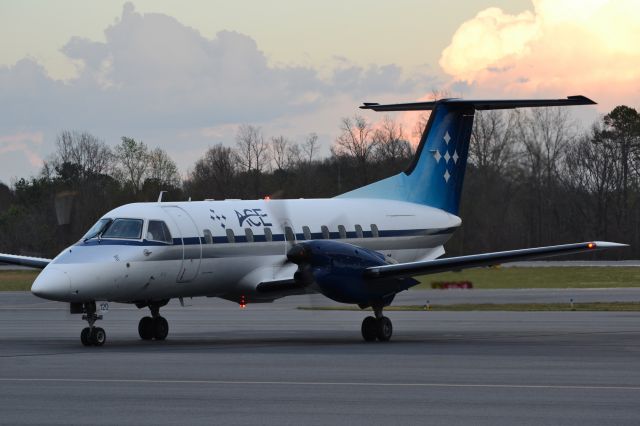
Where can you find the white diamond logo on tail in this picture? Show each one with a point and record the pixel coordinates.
(437, 156)
(446, 176)
(447, 157)
(447, 138)
(455, 157)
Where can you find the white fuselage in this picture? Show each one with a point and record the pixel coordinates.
(226, 248)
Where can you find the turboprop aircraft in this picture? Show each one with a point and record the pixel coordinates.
(361, 247)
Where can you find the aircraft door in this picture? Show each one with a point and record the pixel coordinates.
(191, 246)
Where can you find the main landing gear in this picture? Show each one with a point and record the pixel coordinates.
(378, 327)
(155, 326)
(92, 336)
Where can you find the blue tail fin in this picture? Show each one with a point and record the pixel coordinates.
(436, 173)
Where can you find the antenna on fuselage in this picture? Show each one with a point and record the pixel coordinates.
(160, 196)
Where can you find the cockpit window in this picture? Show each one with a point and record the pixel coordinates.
(158, 231)
(97, 229)
(124, 228)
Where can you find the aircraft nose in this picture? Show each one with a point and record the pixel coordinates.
(52, 284)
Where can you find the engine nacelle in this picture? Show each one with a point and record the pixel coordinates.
(337, 268)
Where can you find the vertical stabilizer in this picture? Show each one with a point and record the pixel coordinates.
(436, 173)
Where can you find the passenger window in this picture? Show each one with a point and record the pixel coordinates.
(307, 232)
(268, 235)
(231, 236)
(374, 230)
(208, 237)
(249, 234)
(158, 231)
(325, 232)
(124, 228)
(288, 234)
(359, 233)
(342, 231)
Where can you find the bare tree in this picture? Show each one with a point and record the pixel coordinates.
(391, 145)
(253, 150)
(310, 147)
(591, 175)
(133, 162)
(162, 168)
(493, 146)
(89, 155)
(355, 140)
(280, 152)
(420, 125)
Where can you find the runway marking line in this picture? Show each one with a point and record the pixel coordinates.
(288, 383)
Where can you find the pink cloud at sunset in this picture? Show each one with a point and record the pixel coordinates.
(23, 142)
(561, 47)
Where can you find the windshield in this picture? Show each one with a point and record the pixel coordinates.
(97, 229)
(124, 228)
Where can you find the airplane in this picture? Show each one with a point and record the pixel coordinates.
(361, 247)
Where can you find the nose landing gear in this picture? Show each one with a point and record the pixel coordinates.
(155, 326)
(92, 336)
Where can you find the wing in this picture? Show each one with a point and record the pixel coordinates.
(402, 270)
(33, 262)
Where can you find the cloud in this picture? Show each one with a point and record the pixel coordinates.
(155, 79)
(23, 142)
(562, 47)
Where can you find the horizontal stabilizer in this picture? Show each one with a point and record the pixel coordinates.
(411, 269)
(33, 262)
(481, 104)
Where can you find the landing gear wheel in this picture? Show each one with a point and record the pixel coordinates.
(98, 336)
(369, 329)
(85, 336)
(160, 328)
(146, 328)
(384, 329)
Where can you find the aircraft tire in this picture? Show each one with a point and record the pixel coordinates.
(98, 336)
(85, 337)
(384, 329)
(160, 328)
(369, 329)
(146, 328)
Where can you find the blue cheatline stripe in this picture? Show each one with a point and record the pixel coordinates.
(261, 238)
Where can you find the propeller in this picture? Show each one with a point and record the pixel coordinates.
(298, 253)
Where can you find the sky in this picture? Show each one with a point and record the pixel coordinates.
(182, 75)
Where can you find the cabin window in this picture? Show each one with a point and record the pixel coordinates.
(307, 232)
(342, 231)
(359, 233)
(248, 233)
(231, 236)
(268, 235)
(374, 230)
(325, 232)
(208, 236)
(158, 231)
(288, 234)
(124, 228)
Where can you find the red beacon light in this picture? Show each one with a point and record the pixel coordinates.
(591, 245)
(243, 302)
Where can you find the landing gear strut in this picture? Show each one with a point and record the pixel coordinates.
(92, 336)
(155, 326)
(378, 327)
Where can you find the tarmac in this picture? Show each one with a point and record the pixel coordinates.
(275, 364)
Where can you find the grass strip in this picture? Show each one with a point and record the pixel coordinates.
(510, 307)
(17, 280)
(541, 277)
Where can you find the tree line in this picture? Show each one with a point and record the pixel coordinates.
(534, 177)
